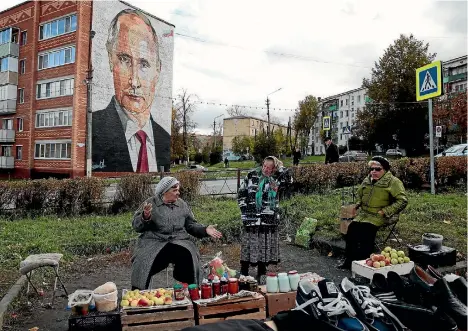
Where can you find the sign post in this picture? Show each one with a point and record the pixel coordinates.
(428, 86)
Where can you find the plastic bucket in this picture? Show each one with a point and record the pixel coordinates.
(106, 302)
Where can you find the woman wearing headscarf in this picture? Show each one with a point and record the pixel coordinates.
(258, 200)
(380, 198)
(165, 222)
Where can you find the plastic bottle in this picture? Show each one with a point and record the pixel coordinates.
(293, 279)
(272, 282)
(283, 280)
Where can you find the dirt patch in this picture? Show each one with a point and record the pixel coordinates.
(88, 273)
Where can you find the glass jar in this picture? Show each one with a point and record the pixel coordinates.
(216, 287)
(206, 291)
(179, 292)
(193, 291)
(233, 286)
(283, 281)
(253, 287)
(224, 285)
(293, 279)
(272, 282)
(185, 287)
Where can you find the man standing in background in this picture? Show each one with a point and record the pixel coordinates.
(331, 153)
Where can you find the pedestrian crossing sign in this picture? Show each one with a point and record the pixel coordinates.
(429, 81)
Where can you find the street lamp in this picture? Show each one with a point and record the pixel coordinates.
(268, 110)
(214, 130)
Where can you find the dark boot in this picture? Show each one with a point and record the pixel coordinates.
(448, 303)
(460, 289)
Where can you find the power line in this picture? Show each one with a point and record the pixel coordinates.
(288, 55)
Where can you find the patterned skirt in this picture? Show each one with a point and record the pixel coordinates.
(260, 243)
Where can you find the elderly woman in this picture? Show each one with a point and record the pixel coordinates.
(258, 200)
(380, 198)
(164, 223)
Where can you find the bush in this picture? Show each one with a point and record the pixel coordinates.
(216, 157)
(131, 191)
(189, 184)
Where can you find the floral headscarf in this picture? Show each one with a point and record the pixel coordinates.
(273, 188)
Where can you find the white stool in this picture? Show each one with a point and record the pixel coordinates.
(33, 262)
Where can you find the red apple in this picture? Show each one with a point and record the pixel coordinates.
(143, 302)
(387, 261)
(375, 257)
(369, 262)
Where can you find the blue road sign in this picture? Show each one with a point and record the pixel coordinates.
(429, 81)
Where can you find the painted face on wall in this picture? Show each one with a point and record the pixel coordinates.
(135, 65)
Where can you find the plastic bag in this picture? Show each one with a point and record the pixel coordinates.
(305, 230)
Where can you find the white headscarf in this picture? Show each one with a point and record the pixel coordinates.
(165, 185)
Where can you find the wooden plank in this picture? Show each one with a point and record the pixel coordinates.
(257, 296)
(261, 315)
(230, 307)
(157, 316)
(151, 310)
(170, 326)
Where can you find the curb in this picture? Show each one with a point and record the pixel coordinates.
(10, 296)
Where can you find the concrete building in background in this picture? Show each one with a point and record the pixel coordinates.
(342, 109)
(47, 49)
(454, 73)
(246, 126)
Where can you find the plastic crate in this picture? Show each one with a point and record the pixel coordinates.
(95, 321)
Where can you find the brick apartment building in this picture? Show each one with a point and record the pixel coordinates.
(45, 55)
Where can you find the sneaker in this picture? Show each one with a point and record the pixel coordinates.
(324, 301)
(370, 310)
(379, 288)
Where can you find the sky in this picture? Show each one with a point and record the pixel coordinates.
(237, 52)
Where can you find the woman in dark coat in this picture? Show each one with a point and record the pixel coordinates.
(258, 200)
(164, 223)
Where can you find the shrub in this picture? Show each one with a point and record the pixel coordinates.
(189, 184)
(131, 191)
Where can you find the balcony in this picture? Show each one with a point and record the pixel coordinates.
(8, 77)
(7, 162)
(9, 49)
(8, 107)
(7, 136)
(453, 78)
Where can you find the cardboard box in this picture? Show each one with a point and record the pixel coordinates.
(277, 302)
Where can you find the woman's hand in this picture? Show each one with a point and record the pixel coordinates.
(212, 232)
(147, 211)
(381, 213)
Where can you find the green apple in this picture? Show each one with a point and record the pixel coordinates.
(387, 249)
(382, 263)
(401, 260)
(393, 251)
(394, 261)
(401, 254)
(406, 259)
(394, 256)
(382, 253)
(387, 254)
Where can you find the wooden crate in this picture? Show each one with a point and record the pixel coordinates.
(276, 302)
(239, 308)
(170, 318)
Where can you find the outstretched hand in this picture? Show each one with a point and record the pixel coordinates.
(212, 232)
(147, 210)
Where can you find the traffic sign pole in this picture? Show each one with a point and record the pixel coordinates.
(431, 144)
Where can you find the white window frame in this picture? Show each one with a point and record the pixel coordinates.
(54, 85)
(23, 41)
(11, 150)
(42, 147)
(4, 120)
(47, 24)
(22, 69)
(21, 95)
(20, 124)
(51, 117)
(56, 53)
(16, 155)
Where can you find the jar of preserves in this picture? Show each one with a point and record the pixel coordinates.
(224, 285)
(193, 291)
(216, 287)
(206, 291)
(272, 282)
(179, 292)
(253, 285)
(293, 279)
(233, 286)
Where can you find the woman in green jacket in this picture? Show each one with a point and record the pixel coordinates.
(381, 197)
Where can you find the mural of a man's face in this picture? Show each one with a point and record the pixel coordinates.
(135, 65)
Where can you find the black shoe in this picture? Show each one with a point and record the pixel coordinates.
(404, 290)
(370, 310)
(325, 302)
(448, 303)
(346, 265)
(457, 285)
(380, 289)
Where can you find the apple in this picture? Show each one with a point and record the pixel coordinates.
(376, 264)
(124, 303)
(387, 249)
(134, 303)
(401, 254)
(406, 259)
(374, 257)
(159, 301)
(369, 262)
(143, 302)
(382, 253)
(394, 256)
(382, 263)
(387, 261)
(387, 255)
(394, 261)
(401, 260)
(150, 303)
(168, 301)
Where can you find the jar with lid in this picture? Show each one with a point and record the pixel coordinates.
(193, 292)
(293, 279)
(272, 282)
(179, 292)
(216, 287)
(224, 285)
(283, 281)
(233, 286)
(185, 287)
(253, 285)
(206, 291)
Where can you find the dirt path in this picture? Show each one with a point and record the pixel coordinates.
(90, 273)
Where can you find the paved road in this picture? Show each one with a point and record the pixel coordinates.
(220, 186)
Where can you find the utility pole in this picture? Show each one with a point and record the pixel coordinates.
(214, 131)
(89, 111)
(268, 116)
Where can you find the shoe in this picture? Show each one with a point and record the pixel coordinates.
(456, 284)
(324, 301)
(421, 278)
(448, 303)
(433, 272)
(370, 310)
(293, 320)
(403, 289)
(380, 289)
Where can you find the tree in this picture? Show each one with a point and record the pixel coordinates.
(304, 119)
(185, 108)
(236, 110)
(281, 141)
(177, 147)
(264, 146)
(242, 144)
(450, 112)
(393, 112)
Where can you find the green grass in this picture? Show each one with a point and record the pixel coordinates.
(89, 235)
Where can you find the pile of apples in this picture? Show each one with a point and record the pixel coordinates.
(388, 256)
(149, 298)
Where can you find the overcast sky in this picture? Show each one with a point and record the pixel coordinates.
(242, 50)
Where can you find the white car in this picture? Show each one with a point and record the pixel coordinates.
(394, 152)
(456, 150)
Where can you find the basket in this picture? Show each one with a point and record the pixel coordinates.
(95, 321)
(106, 302)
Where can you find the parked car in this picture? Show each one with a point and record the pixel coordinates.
(353, 156)
(456, 150)
(197, 167)
(394, 152)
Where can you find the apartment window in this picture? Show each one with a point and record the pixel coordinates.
(57, 27)
(341, 137)
(21, 95)
(358, 98)
(54, 118)
(347, 124)
(4, 64)
(7, 124)
(52, 150)
(24, 37)
(341, 125)
(5, 36)
(22, 65)
(341, 114)
(352, 115)
(57, 58)
(352, 97)
(19, 124)
(55, 89)
(341, 103)
(346, 101)
(347, 113)
(19, 152)
(6, 151)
